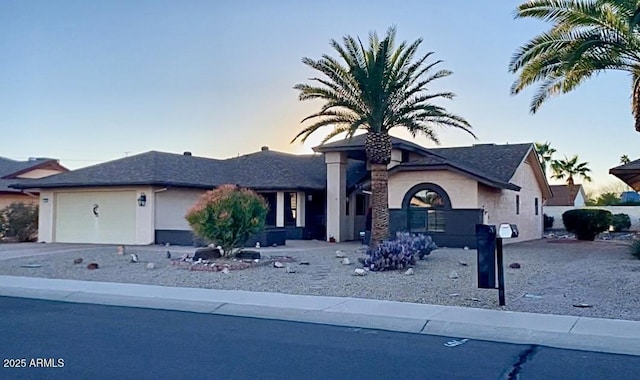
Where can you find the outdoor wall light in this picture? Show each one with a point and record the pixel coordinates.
(142, 200)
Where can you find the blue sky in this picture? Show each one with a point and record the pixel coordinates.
(91, 81)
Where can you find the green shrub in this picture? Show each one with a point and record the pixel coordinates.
(586, 223)
(620, 222)
(228, 216)
(19, 220)
(548, 221)
(635, 248)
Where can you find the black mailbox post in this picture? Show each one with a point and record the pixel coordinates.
(486, 240)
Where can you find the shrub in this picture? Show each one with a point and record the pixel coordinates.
(586, 223)
(19, 220)
(620, 222)
(548, 221)
(400, 252)
(228, 216)
(635, 248)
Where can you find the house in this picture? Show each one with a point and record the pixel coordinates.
(444, 192)
(566, 195)
(14, 172)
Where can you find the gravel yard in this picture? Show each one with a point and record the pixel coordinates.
(554, 276)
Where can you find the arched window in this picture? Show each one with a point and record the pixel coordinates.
(426, 206)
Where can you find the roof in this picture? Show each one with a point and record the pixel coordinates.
(11, 169)
(354, 146)
(561, 195)
(628, 173)
(260, 171)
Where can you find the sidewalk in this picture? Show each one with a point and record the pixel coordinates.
(562, 331)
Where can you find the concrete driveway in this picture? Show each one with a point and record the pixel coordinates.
(17, 250)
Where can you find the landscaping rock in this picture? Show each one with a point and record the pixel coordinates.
(120, 250)
(207, 253)
(409, 272)
(346, 261)
(453, 275)
(304, 263)
(360, 272)
(463, 263)
(134, 258)
(226, 270)
(78, 260)
(151, 266)
(582, 305)
(514, 266)
(290, 270)
(249, 255)
(168, 255)
(277, 264)
(340, 254)
(92, 266)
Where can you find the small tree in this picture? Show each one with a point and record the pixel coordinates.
(228, 216)
(19, 220)
(586, 223)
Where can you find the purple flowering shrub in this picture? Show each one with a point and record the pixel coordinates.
(399, 253)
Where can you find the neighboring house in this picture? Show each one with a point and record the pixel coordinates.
(566, 195)
(13, 172)
(443, 192)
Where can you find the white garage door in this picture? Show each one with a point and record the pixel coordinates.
(96, 217)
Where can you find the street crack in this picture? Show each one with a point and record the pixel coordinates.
(523, 357)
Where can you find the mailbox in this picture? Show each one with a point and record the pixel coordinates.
(507, 231)
(486, 240)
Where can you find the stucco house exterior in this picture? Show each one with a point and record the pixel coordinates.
(443, 192)
(14, 172)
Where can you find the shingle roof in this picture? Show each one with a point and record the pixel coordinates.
(628, 173)
(9, 168)
(262, 170)
(561, 195)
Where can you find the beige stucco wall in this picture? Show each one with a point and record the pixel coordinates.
(7, 199)
(171, 207)
(463, 191)
(144, 216)
(39, 173)
(500, 205)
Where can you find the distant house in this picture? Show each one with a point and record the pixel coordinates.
(443, 192)
(21, 172)
(566, 195)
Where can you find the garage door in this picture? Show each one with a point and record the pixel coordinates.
(96, 217)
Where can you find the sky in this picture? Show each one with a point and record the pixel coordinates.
(91, 81)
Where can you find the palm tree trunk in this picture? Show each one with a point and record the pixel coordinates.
(380, 204)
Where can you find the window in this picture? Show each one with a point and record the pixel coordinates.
(290, 208)
(517, 205)
(272, 201)
(535, 202)
(435, 221)
(426, 212)
(361, 204)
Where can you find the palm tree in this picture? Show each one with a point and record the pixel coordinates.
(569, 168)
(375, 89)
(545, 154)
(587, 37)
(624, 159)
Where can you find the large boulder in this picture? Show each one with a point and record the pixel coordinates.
(248, 255)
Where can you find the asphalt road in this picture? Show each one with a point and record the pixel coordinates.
(60, 340)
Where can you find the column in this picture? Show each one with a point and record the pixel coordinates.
(336, 194)
(280, 209)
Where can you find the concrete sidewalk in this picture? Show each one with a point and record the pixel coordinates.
(592, 334)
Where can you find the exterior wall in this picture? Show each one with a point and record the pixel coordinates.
(7, 199)
(144, 233)
(462, 191)
(633, 212)
(500, 205)
(579, 202)
(39, 173)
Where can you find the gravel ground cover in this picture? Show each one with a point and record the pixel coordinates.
(558, 276)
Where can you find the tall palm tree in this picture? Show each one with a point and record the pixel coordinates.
(624, 159)
(545, 154)
(587, 37)
(568, 168)
(376, 88)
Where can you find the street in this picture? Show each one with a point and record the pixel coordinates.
(57, 340)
